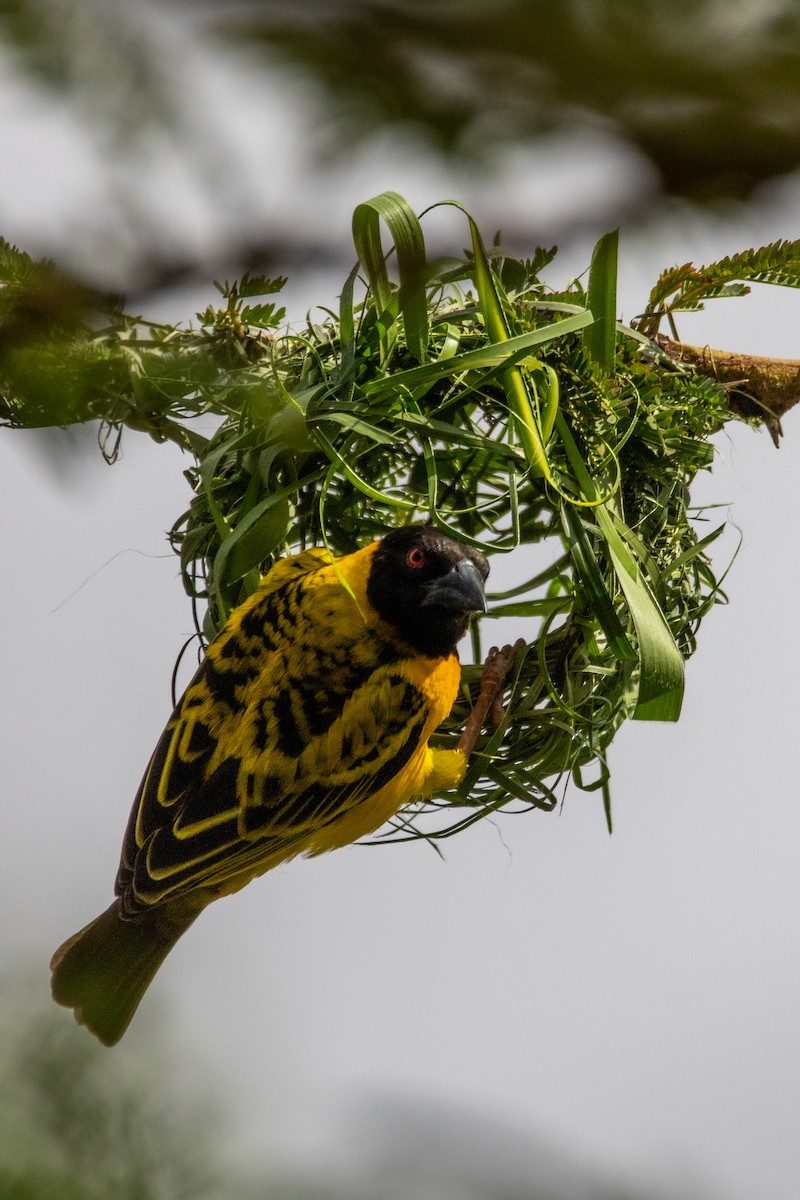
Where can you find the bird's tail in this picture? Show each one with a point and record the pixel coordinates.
(104, 970)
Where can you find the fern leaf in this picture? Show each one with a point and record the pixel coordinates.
(686, 288)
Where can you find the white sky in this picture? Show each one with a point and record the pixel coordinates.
(634, 999)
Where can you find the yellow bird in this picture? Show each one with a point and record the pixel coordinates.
(305, 727)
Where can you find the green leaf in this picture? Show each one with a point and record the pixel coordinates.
(657, 683)
(600, 338)
(530, 433)
(265, 316)
(409, 245)
(341, 464)
(254, 285)
(354, 424)
(591, 577)
(253, 540)
(503, 354)
(689, 286)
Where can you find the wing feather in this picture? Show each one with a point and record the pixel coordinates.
(298, 717)
(239, 822)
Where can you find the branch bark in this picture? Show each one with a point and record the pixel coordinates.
(765, 388)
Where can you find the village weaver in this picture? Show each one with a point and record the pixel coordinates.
(305, 727)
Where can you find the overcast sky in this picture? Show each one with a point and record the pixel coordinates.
(634, 999)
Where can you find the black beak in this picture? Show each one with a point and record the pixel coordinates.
(461, 588)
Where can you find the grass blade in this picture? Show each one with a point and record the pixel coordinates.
(409, 245)
(600, 338)
(657, 683)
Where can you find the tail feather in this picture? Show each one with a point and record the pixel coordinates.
(104, 970)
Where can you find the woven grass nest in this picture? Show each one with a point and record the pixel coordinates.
(529, 421)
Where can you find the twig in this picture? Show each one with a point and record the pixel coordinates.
(765, 388)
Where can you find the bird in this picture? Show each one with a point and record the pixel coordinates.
(306, 727)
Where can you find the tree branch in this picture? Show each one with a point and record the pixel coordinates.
(765, 388)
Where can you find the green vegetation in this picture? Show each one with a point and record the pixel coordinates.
(467, 392)
(78, 1125)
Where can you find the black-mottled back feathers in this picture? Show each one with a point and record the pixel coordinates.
(305, 727)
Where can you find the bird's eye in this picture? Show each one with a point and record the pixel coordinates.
(416, 558)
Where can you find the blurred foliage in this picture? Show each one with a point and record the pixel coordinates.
(466, 392)
(77, 1124)
(102, 56)
(707, 91)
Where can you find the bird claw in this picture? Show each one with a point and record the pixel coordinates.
(490, 697)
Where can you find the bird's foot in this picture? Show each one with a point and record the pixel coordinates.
(490, 697)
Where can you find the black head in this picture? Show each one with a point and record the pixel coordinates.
(427, 586)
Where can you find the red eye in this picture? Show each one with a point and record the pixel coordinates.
(416, 558)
